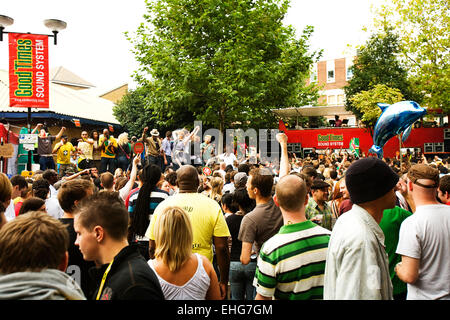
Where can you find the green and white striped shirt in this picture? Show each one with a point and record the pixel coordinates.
(291, 264)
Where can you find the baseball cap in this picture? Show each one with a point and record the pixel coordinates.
(424, 171)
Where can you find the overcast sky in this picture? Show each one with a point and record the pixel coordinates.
(93, 45)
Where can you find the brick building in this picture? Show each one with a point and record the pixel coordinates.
(332, 76)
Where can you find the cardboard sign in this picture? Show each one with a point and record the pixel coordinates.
(7, 150)
(138, 147)
(28, 138)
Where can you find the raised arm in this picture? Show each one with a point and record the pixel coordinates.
(60, 133)
(144, 134)
(285, 167)
(190, 135)
(126, 189)
(37, 128)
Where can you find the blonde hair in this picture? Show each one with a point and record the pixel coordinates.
(173, 237)
(5, 188)
(216, 187)
(122, 139)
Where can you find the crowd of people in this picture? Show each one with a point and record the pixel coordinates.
(114, 224)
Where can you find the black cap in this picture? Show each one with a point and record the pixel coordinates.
(368, 179)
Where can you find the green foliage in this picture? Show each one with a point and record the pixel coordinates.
(126, 109)
(366, 102)
(423, 28)
(224, 62)
(377, 63)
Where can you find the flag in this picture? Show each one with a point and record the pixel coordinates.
(28, 70)
(354, 146)
(77, 123)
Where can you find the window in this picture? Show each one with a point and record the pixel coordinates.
(330, 71)
(313, 76)
(348, 66)
(340, 99)
(349, 74)
(331, 100)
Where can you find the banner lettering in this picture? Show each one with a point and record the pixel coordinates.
(28, 70)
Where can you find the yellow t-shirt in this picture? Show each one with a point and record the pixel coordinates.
(63, 155)
(108, 152)
(206, 218)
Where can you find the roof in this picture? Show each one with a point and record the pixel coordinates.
(311, 111)
(63, 76)
(65, 101)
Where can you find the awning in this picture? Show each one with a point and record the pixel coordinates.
(311, 111)
(65, 102)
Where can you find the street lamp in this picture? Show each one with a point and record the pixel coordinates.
(55, 26)
(4, 22)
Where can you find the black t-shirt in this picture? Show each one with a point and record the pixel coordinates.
(45, 145)
(234, 223)
(78, 267)
(130, 278)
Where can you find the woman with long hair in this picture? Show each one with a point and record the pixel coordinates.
(241, 276)
(182, 274)
(124, 153)
(142, 205)
(216, 189)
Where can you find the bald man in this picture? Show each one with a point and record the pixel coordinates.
(208, 222)
(298, 250)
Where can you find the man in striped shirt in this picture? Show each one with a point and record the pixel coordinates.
(291, 264)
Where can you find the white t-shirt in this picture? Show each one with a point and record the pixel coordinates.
(228, 158)
(426, 236)
(10, 213)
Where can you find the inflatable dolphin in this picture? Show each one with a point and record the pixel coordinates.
(394, 119)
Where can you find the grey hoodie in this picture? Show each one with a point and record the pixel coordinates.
(48, 284)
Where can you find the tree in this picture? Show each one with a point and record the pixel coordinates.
(377, 63)
(224, 62)
(366, 102)
(423, 29)
(135, 112)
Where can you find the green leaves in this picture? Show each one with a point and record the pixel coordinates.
(221, 61)
(366, 102)
(377, 63)
(423, 28)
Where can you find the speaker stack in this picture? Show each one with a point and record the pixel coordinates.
(439, 147)
(428, 147)
(446, 140)
(294, 147)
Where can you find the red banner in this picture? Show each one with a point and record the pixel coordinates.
(28, 70)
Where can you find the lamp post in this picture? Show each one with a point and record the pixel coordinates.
(55, 26)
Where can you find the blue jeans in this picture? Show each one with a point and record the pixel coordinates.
(122, 162)
(169, 162)
(107, 164)
(241, 280)
(46, 163)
